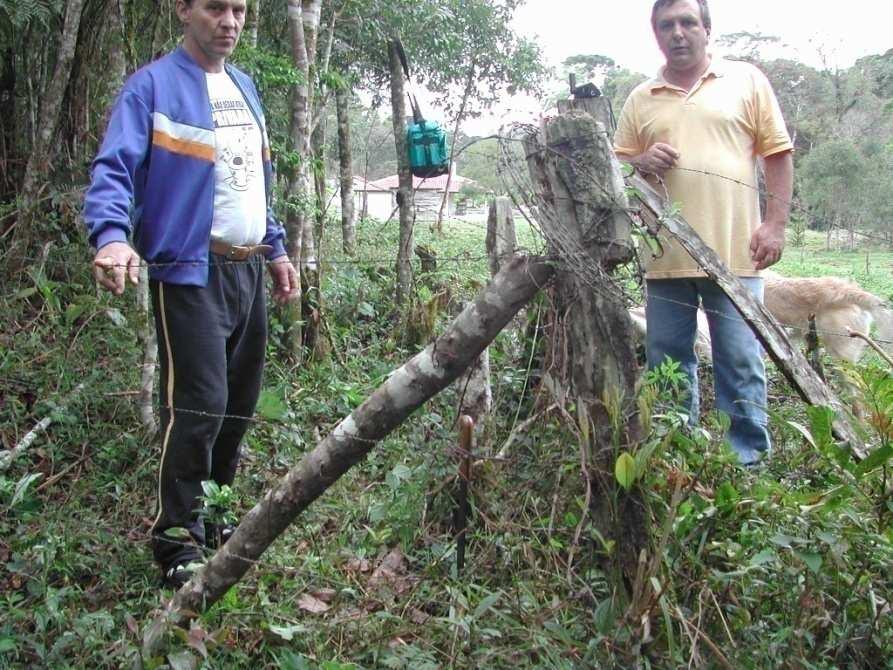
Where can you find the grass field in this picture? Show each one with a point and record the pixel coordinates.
(870, 265)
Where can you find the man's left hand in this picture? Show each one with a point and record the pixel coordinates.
(766, 245)
(286, 283)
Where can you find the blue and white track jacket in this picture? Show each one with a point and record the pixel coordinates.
(154, 174)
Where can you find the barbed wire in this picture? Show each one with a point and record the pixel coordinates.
(448, 437)
(729, 317)
(371, 260)
(572, 252)
(570, 249)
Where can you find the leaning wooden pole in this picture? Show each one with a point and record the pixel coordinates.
(426, 374)
(786, 357)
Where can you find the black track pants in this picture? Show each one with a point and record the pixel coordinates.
(211, 343)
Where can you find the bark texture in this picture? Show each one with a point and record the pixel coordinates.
(788, 358)
(48, 121)
(251, 21)
(404, 191)
(582, 202)
(502, 240)
(149, 345)
(303, 19)
(476, 395)
(598, 108)
(406, 389)
(345, 163)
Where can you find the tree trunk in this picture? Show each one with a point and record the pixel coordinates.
(251, 22)
(8, 117)
(318, 150)
(475, 392)
(161, 33)
(149, 344)
(118, 50)
(314, 228)
(582, 212)
(303, 18)
(405, 390)
(345, 163)
(50, 106)
(405, 199)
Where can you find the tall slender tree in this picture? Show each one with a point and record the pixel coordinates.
(48, 121)
(345, 170)
(303, 18)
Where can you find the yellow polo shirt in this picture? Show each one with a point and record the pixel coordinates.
(729, 117)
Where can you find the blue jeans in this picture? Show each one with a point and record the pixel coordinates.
(738, 371)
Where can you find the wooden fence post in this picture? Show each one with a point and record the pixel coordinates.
(598, 108)
(476, 396)
(581, 208)
(501, 238)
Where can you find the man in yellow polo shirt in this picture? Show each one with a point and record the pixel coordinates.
(697, 130)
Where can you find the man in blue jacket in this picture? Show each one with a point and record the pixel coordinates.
(184, 173)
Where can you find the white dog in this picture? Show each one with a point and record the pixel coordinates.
(839, 306)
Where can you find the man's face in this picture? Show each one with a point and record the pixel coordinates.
(681, 35)
(211, 28)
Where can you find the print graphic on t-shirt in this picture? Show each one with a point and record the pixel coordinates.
(240, 160)
(234, 143)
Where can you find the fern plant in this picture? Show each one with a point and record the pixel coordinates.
(20, 13)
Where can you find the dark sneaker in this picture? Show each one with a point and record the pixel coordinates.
(177, 574)
(216, 534)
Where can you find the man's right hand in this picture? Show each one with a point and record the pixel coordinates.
(114, 264)
(657, 159)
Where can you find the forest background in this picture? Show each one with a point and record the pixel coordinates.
(788, 566)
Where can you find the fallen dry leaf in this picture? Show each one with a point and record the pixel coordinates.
(311, 604)
(325, 595)
(358, 565)
(391, 574)
(419, 617)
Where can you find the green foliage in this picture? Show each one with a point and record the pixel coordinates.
(19, 13)
(833, 173)
(448, 42)
(272, 72)
(787, 566)
(219, 503)
(795, 556)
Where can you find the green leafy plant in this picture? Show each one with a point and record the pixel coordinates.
(218, 503)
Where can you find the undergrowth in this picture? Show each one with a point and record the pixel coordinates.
(786, 566)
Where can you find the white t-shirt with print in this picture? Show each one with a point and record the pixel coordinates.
(240, 206)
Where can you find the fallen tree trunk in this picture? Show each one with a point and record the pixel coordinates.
(788, 358)
(429, 372)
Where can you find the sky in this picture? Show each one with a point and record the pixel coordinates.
(622, 30)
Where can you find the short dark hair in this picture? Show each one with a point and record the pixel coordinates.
(660, 4)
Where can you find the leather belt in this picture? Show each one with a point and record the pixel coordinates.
(236, 252)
